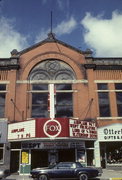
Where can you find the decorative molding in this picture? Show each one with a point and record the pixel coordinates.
(51, 81)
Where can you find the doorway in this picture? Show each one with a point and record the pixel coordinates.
(39, 158)
(14, 161)
(66, 155)
(90, 157)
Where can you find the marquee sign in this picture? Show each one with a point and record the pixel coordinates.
(21, 130)
(52, 128)
(110, 133)
(82, 129)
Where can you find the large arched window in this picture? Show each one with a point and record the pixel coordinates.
(51, 89)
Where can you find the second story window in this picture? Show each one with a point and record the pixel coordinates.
(64, 101)
(39, 100)
(103, 100)
(51, 89)
(118, 90)
(2, 100)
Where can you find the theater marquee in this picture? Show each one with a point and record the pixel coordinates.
(21, 130)
(82, 129)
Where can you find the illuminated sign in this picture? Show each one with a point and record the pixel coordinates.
(82, 129)
(52, 128)
(21, 130)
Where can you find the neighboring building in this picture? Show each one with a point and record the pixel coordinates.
(56, 99)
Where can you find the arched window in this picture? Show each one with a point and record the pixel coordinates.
(51, 89)
(52, 70)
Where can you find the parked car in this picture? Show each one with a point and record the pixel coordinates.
(4, 173)
(67, 170)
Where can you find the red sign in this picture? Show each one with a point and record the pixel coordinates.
(52, 128)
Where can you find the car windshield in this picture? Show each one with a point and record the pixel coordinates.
(66, 165)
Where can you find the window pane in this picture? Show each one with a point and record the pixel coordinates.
(104, 106)
(118, 86)
(64, 106)
(1, 155)
(119, 103)
(64, 98)
(64, 111)
(2, 105)
(40, 105)
(39, 98)
(40, 87)
(102, 86)
(2, 87)
(63, 87)
(39, 111)
(2, 98)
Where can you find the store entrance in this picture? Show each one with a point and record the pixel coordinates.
(66, 155)
(90, 157)
(14, 161)
(39, 158)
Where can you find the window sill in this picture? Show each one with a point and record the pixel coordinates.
(109, 118)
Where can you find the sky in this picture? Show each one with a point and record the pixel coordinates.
(83, 24)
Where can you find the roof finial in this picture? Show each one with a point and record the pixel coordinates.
(51, 35)
(51, 23)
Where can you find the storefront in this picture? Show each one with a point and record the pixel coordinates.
(4, 146)
(40, 142)
(110, 141)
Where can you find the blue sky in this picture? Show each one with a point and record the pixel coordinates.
(84, 24)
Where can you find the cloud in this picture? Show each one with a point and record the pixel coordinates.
(10, 39)
(60, 4)
(42, 35)
(104, 35)
(65, 27)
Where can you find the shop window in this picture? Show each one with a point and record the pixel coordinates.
(1, 153)
(2, 100)
(103, 99)
(25, 157)
(118, 89)
(114, 153)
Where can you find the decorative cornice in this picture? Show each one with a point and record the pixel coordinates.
(9, 63)
(103, 67)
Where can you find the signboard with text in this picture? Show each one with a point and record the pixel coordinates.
(82, 129)
(21, 130)
(110, 133)
(52, 128)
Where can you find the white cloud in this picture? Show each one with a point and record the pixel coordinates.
(42, 35)
(65, 27)
(9, 38)
(104, 35)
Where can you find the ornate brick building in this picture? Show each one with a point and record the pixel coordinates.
(61, 104)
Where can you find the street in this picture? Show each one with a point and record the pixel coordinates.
(107, 174)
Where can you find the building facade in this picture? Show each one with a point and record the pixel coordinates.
(61, 104)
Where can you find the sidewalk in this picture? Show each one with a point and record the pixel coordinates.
(107, 175)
